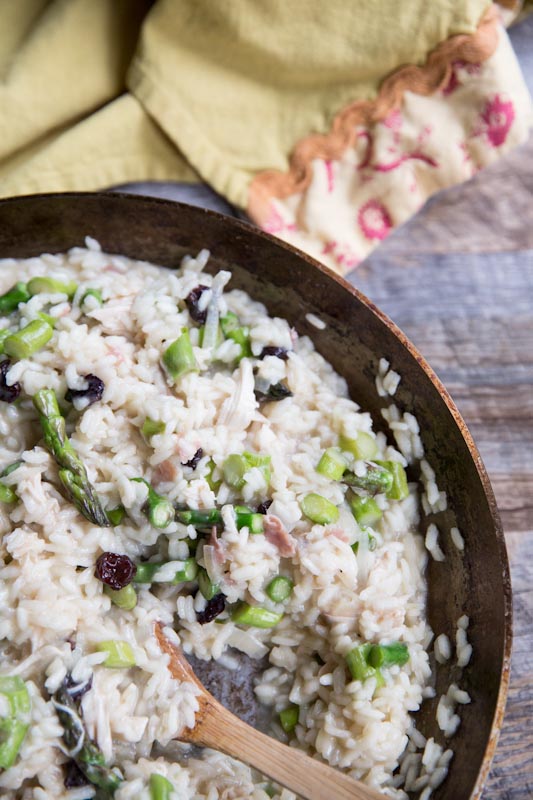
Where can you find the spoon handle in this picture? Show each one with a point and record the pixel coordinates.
(218, 728)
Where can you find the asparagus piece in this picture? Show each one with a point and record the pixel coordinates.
(160, 787)
(375, 480)
(88, 757)
(288, 718)
(178, 358)
(11, 299)
(318, 509)
(255, 616)
(52, 285)
(72, 474)
(27, 341)
(13, 726)
(7, 494)
(158, 509)
(279, 589)
(332, 464)
(200, 518)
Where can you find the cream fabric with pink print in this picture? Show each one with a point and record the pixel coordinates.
(428, 143)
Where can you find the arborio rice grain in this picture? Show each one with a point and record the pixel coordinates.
(160, 433)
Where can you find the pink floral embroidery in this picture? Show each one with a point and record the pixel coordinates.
(374, 220)
(330, 175)
(342, 253)
(394, 120)
(496, 120)
(454, 80)
(276, 224)
(414, 155)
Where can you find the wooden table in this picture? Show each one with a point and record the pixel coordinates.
(458, 279)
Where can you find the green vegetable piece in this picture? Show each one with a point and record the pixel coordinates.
(386, 655)
(72, 474)
(44, 284)
(360, 669)
(12, 733)
(52, 321)
(159, 509)
(146, 571)
(200, 518)
(7, 495)
(125, 598)
(245, 517)
(10, 300)
(206, 585)
(234, 469)
(232, 329)
(289, 718)
(27, 341)
(4, 333)
(119, 654)
(399, 489)
(178, 358)
(213, 484)
(365, 510)
(10, 468)
(376, 480)
(364, 447)
(188, 572)
(279, 589)
(237, 465)
(89, 758)
(255, 616)
(13, 727)
(15, 691)
(152, 427)
(332, 464)
(318, 509)
(160, 787)
(96, 293)
(116, 515)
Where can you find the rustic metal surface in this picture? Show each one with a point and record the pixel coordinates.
(357, 335)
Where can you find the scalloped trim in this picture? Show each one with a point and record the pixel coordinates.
(425, 80)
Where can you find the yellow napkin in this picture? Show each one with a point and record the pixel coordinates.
(330, 122)
(231, 85)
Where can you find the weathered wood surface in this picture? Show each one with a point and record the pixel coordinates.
(458, 279)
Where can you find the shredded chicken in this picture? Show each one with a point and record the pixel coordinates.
(218, 546)
(164, 472)
(276, 534)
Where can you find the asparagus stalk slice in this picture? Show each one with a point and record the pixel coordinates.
(72, 474)
(200, 518)
(13, 726)
(160, 787)
(159, 509)
(375, 480)
(27, 341)
(52, 285)
(11, 299)
(7, 494)
(288, 718)
(88, 757)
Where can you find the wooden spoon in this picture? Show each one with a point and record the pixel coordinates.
(218, 728)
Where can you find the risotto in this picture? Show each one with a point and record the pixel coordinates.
(170, 453)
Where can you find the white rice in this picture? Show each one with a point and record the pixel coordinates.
(54, 610)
